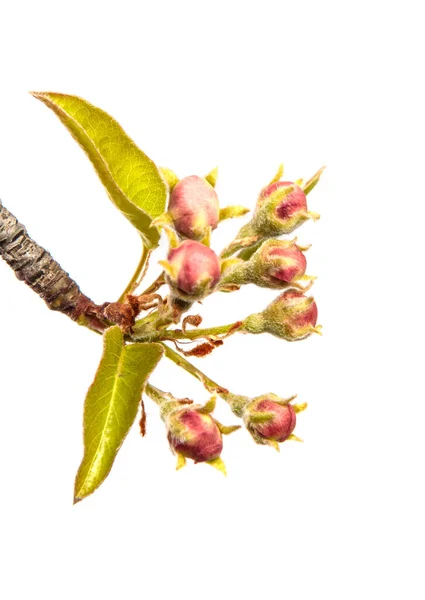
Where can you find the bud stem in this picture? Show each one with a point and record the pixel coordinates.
(179, 334)
(137, 278)
(246, 237)
(212, 386)
(155, 394)
(235, 402)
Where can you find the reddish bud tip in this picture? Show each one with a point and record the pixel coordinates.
(281, 208)
(286, 263)
(279, 420)
(194, 435)
(293, 314)
(278, 263)
(194, 207)
(293, 202)
(194, 270)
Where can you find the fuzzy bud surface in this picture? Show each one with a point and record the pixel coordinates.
(291, 316)
(194, 270)
(279, 419)
(193, 207)
(194, 435)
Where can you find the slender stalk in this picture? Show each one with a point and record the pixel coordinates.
(155, 285)
(192, 334)
(136, 279)
(211, 385)
(154, 394)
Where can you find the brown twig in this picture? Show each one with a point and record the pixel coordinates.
(37, 268)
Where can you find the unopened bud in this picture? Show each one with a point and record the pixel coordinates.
(193, 270)
(268, 420)
(291, 316)
(194, 435)
(193, 207)
(191, 430)
(279, 261)
(281, 208)
(276, 264)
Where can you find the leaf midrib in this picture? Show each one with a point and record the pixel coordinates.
(110, 408)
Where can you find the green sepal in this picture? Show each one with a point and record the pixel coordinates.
(294, 438)
(263, 417)
(170, 177)
(311, 183)
(209, 406)
(206, 239)
(226, 429)
(278, 175)
(212, 177)
(218, 464)
(230, 212)
(181, 461)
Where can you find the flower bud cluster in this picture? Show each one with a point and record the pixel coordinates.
(193, 271)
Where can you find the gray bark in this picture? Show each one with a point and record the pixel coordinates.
(34, 265)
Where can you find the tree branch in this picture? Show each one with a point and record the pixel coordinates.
(37, 268)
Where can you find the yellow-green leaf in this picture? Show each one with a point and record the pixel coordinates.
(132, 180)
(111, 405)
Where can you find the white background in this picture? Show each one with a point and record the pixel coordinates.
(244, 85)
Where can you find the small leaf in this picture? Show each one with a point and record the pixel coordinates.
(111, 405)
(132, 180)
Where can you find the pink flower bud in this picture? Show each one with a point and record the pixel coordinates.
(284, 261)
(277, 263)
(193, 270)
(194, 207)
(270, 420)
(295, 201)
(281, 208)
(291, 316)
(194, 435)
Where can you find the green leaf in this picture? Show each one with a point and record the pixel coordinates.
(132, 180)
(111, 405)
